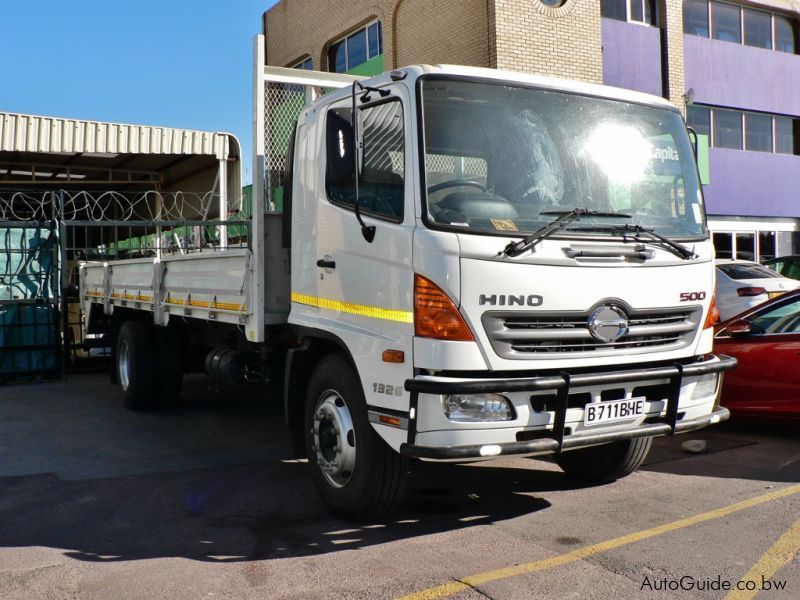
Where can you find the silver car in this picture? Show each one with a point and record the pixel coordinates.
(742, 284)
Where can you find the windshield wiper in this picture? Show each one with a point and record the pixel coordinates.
(638, 232)
(565, 218)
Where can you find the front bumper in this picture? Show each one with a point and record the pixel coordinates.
(556, 439)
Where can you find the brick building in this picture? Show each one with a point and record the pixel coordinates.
(732, 66)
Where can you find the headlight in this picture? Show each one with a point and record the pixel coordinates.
(475, 408)
(705, 386)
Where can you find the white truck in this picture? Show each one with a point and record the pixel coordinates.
(481, 263)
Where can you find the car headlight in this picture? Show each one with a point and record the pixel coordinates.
(475, 408)
(705, 386)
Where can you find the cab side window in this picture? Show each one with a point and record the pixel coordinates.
(382, 179)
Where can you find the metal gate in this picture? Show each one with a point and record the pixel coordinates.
(46, 236)
(30, 342)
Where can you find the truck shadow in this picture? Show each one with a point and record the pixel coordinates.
(250, 512)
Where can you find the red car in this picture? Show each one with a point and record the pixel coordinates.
(766, 340)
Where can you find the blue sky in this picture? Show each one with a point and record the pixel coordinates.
(177, 63)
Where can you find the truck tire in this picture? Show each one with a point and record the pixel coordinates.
(601, 464)
(357, 474)
(169, 369)
(135, 366)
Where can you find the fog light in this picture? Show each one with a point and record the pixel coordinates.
(475, 408)
(705, 386)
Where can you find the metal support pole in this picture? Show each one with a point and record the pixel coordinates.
(223, 203)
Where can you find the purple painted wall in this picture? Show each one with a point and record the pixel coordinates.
(755, 184)
(737, 76)
(632, 56)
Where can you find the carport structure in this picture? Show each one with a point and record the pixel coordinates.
(74, 190)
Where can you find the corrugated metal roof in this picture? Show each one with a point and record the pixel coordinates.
(30, 133)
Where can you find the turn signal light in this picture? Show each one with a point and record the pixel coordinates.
(713, 314)
(750, 291)
(435, 315)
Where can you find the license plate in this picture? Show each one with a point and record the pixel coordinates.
(775, 294)
(598, 413)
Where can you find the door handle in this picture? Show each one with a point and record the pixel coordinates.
(325, 263)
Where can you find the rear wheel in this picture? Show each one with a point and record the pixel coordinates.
(600, 464)
(358, 476)
(135, 366)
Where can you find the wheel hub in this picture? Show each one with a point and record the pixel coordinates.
(334, 439)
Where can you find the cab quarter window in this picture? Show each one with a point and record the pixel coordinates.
(382, 174)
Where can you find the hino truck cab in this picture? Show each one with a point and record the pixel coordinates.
(487, 263)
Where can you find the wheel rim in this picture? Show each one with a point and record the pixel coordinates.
(334, 439)
(124, 362)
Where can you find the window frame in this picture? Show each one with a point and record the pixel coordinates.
(793, 121)
(747, 116)
(792, 21)
(655, 20)
(301, 64)
(344, 40)
(712, 29)
(714, 143)
(351, 207)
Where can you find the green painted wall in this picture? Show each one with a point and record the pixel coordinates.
(373, 66)
(702, 159)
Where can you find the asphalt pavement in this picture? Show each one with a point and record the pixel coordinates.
(202, 500)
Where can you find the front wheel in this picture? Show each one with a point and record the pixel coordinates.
(357, 475)
(601, 464)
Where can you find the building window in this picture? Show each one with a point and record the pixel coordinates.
(758, 132)
(726, 22)
(723, 245)
(785, 34)
(757, 28)
(699, 119)
(553, 3)
(763, 132)
(356, 49)
(734, 23)
(787, 135)
(635, 11)
(306, 64)
(767, 247)
(728, 129)
(614, 9)
(695, 17)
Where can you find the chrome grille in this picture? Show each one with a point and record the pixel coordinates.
(519, 334)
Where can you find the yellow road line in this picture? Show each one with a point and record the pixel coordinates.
(373, 312)
(451, 588)
(779, 555)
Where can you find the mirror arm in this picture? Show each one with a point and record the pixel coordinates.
(368, 231)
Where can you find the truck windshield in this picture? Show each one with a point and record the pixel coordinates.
(500, 156)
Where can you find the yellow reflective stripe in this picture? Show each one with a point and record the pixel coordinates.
(232, 306)
(139, 297)
(373, 312)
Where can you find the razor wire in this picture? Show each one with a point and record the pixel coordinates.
(100, 206)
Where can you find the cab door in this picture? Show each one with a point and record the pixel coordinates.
(365, 286)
